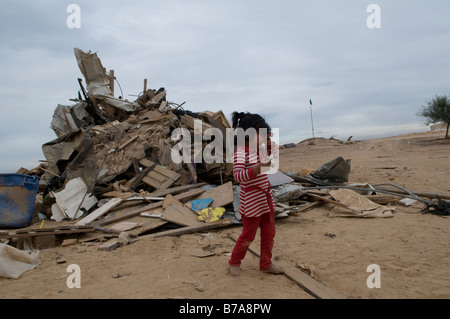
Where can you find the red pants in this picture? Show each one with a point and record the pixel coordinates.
(267, 224)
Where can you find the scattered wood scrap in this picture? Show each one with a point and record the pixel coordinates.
(100, 211)
(183, 196)
(36, 232)
(158, 177)
(180, 215)
(193, 229)
(307, 283)
(176, 190)
(221, 195)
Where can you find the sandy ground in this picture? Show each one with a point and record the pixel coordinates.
(410, 248)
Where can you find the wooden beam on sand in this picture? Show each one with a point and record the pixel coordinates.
(306, 207)
(173, 190)
(193, 229)
(310, 285)
(34, 232)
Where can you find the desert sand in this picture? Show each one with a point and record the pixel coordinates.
(412, 249)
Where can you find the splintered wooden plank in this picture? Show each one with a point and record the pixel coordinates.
(159, 177)
(309, 284)
(173, 190)
(128, 142)
(169, 200)
(181, 215)
(181, 197)
(189, 121)
(221, 195)
(167, 172)
(330, 201)
(146, 224)
(308, 206)
(193, 229)
(29, 233)
(100, 211)
(123, 226)
(158, 97)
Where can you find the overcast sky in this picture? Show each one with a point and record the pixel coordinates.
(267, 57)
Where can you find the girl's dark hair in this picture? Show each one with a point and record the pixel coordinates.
(248, 120)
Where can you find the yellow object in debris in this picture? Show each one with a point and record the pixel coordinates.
(209, 215)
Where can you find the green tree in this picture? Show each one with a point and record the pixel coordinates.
(437, 110)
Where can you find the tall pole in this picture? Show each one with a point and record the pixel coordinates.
(310, 110)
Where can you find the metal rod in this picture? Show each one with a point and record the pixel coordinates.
(411, 195)
(312, 125)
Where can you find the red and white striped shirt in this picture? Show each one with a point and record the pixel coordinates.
(255, 197)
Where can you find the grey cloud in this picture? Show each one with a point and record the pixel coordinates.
(260, 56)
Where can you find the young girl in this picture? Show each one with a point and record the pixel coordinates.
(256, 204)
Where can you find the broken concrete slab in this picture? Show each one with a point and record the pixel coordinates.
(70, 156)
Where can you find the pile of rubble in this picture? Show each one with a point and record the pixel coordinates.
(111, 165)
(118, 147)
(110, 141)
(109, 149)
(110, 173)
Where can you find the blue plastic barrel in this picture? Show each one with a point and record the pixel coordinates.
(17, 198)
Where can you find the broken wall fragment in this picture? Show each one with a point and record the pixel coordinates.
(70, 156)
